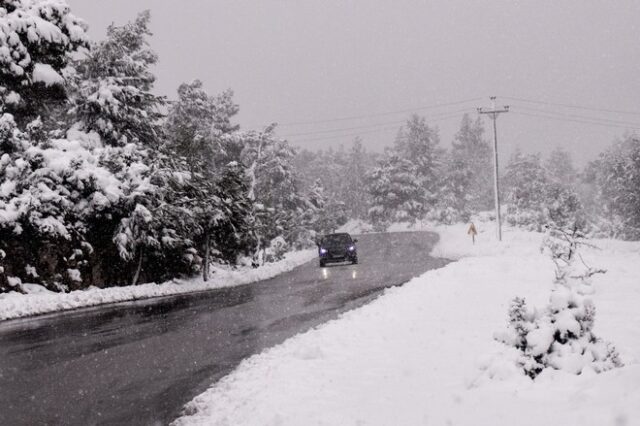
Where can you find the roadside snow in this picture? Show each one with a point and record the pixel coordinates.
(420, 353)
(41, 301)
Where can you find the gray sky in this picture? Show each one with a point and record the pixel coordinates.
(292, 61)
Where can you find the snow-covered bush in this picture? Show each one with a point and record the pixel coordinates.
(276, 250)
(560, 336)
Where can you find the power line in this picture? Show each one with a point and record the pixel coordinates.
(346, 135)
(357, 117)
(552, 117)
(456, 115)
(581, 117)
(370, 126)
(615, 111)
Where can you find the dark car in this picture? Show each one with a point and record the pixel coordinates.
(337, 248)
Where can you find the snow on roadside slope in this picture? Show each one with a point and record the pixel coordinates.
(414, 355)
(41, 301)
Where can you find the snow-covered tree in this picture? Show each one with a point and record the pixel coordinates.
(224, 215)
(563, 206)
(272, 184)
(342, 174)
(112, 90)
(525, 181)
(560, 169)
(396, 193)
(418, 144)
(59, 199)
(469, 171)
(324, 214)
(136, 234)
(617, 176)
(533, 199)
(354, 196)
(196, 119)
(69, 200)
(37, 39)
(235, 235)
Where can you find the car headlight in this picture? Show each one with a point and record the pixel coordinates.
(352, 248)
(323, 250)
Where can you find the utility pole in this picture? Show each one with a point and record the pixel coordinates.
(493, 114)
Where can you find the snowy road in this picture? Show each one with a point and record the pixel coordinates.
(139, 363)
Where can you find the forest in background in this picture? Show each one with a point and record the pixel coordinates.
(104, 183)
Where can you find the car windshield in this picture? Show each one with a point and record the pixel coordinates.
(336, 239)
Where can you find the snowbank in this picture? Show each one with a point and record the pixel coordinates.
(41, 301)
(424, 353)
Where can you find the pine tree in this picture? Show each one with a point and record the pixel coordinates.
(396, 194)
(196, 120)
(195, 130)
(222, 214)
(272, 184)
(355, 196)
(135, 235)
(617, 175)
(470, 168)
(559, 166)
(534, 199)
(113, 87)
(525, 184)
(37, 39)
(418, 144)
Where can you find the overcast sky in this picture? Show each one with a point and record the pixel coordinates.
(292, 61)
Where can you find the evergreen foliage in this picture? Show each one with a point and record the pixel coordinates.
(617, 177)
(397, 194)
(534, 199)
(466, 182)
(272, 186)
(196, 120)
(343, 176)
(418, 144)
(560, 169)
(112, 90)
(37, 39)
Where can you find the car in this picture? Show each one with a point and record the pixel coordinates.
(337, 248)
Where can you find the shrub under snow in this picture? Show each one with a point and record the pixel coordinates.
(560, 336)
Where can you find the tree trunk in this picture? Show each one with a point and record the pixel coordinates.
(205, 267)
(139, 268)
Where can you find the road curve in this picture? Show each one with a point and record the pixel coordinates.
(138, 363)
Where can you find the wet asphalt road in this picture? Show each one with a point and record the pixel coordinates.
(138, 363)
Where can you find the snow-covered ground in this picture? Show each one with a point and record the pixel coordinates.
(41, 301)
(424, 353)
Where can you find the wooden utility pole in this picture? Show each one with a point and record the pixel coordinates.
(493, 114)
